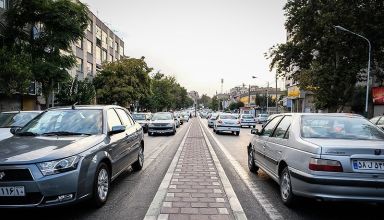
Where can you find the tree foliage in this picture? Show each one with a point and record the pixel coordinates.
(236, 105)
(77, 91)
(38, 35)
(123, 82)
(214, 105)
(327, 61)
(205, 100)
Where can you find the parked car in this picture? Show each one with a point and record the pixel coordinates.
(177, 120)
(212, 119)
(14, 119)
(247, 120)
(162, 123)
(322, 156)
(261, 118)
(378, 121)
(185, 116)
(142, 119)
(69, 154)
(227, 123)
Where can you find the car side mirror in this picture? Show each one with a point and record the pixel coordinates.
(117, 129)
(14, 130)
(255, 131)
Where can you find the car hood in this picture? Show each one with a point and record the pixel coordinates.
(5, 133)
(162, 121)
(347, 147)
(27, 149)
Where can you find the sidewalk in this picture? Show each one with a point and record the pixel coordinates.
(194, 189)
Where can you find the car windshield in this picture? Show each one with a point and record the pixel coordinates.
(162, 117)
(138, 116)
(247, 116)
(263, 115)
(228, 117)
(16, 119)
(66, 122)
(332, 127)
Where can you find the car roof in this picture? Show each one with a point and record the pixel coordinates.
(322, 114)
(100, 107)
(11, 112)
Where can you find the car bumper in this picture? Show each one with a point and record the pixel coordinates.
(248, 123)
(337, 189)
(227, 128)
(42, 191)
(160, 131)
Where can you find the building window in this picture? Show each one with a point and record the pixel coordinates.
(104, 39)
(3, 4)
(116, 46)
(79, 43)
(110, 58)
(89, 47)
(103, 55)
(98, 33)
(90, 24)
(98, 55)
(89, 68)
(79, 67)
(110, 42)
(121, 50)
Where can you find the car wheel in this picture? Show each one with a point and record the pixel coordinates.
(150, 134)
(286, 193)
(251, 161)
(254, 126)
(217, 132)
(174, 131)
(237, 133)
(138, 164)
(101, 185)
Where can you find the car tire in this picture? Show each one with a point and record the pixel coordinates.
(217, 132)
(174, 132)
(237, 133)
(101, 185)
(254, 126)
(150, 134)
(251, 162)
(286, 194)
(139, 163)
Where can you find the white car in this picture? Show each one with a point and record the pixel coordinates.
(261, 118)
(211, 120)
(14, 119)
(162, 123)
(227, 123)
(247, 120)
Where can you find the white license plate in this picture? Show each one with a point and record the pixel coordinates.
(12, 191)
(366, 165)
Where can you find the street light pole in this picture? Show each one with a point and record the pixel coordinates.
(253, 77)
(267, 95)
(277, 109)
(369, 63)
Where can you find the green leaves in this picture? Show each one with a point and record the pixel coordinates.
(324, 60)
(73, 90)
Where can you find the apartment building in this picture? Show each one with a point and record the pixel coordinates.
(99, 45)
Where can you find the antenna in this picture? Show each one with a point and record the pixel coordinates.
(74, 106)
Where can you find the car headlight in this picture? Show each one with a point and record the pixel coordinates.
(170, 124)
(59, 166)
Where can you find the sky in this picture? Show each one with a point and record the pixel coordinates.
(199, 42)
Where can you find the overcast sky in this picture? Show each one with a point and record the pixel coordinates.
(199, 41)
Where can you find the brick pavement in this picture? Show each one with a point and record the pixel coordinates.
(195, 190)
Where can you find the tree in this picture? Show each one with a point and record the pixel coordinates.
(205, 100)
(324, 60)
(42, 32)
(77, 91)
(236, 105)
(214, 104)
(123, 82)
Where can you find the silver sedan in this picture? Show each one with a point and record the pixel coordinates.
(322, 156)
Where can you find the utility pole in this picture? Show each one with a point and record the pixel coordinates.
(267, 95)
(277, 108)
(249, 95)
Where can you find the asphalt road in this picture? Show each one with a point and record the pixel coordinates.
(305, 209)
(131, 193)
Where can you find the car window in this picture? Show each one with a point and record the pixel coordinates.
(228, 117)
(381, 121)
(282, 128)
(113, 119)
(268, 129)
(124, 117)
(247, 116)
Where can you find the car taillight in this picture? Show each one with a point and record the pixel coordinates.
(238, 122)
(219, 121)
(242, 119)
(316, 164)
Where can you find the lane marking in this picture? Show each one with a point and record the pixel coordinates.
(158, 150)
(256, 191)
(155, 207)
(236, 207)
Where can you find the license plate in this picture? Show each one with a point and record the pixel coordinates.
(367, 165)
(12, 191)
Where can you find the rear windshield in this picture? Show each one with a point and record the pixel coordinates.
(162, 116)
(339, 127)
(247, 116)
(228, 116)
(263, 115)
(138, 116)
